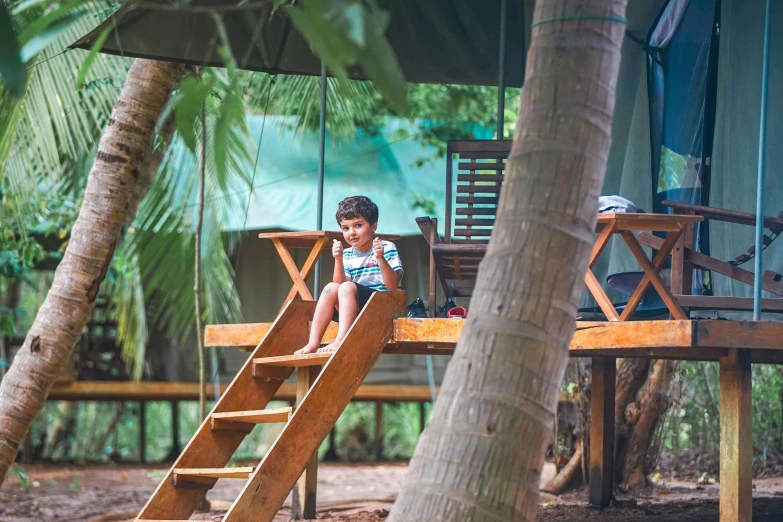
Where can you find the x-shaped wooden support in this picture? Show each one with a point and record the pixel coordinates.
(651, 274)
(299, 276)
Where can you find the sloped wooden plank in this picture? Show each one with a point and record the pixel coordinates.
(213, 449)
(340, 378)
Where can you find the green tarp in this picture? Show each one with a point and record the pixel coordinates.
(382, 167)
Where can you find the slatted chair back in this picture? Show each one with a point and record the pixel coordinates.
(475, 172)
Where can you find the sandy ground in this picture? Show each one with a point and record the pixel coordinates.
(346, 493)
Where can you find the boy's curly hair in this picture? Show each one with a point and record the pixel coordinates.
(357, 206)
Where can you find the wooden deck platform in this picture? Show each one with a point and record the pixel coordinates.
(697, 339)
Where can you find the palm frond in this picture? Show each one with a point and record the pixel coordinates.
(57, 125)
(300, 96)
(128, 308)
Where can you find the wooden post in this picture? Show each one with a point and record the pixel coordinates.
(378, 431)
(682, 269)
(331, 451)
(303, 497)
(736, 443)
(142, 431)
(602, 431)
(432, 296)
(176, 449)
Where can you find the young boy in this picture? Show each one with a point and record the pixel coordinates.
(368, 265)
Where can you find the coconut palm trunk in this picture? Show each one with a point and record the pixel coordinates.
(49, 344)
(481, 456)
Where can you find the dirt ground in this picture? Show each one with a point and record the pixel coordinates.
(346, 493)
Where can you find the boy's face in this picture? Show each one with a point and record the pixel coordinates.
(358, 232)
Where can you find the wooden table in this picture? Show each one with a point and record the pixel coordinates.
(317, 241)
(625, 224)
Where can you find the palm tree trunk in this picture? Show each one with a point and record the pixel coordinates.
(59, 322)
(481, 456)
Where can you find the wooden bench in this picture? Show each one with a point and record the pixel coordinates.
(143, 392)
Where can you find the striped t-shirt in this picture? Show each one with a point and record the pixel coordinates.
(362, 267)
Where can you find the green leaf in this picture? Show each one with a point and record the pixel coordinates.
(348, 32)
(38, 43)
(193, 92)
(352, 21)
(324, 39)
(11, 64)
(19, 472)
(7, 327)
(87, 63)
(380, 63)
(27, 4)
(232, 114)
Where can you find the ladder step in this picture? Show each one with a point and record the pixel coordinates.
(212, 473)
(244, 420)
(294, 361)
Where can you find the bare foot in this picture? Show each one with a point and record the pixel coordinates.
(307, 349)
(331, 347)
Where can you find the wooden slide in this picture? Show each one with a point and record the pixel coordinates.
(203, 461)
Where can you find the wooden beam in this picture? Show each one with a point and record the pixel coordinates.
(235, 334)
(411, 330)
(602, 431)
(300, 286)
(600, 296)
(739, 334)
(303, 496)
(188, 391)
(637, 334)
(736, 438)
(315, 253)
(715, 302)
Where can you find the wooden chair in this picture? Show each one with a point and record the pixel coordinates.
(471, 205)
(771, 281)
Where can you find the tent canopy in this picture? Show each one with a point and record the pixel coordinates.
(382, 167)
(436, 41)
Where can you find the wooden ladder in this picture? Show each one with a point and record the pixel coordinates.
(203, 461)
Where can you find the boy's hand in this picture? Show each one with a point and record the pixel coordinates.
(377, 248)
(337, 249)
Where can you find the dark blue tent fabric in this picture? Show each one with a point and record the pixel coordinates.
(682, 67)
